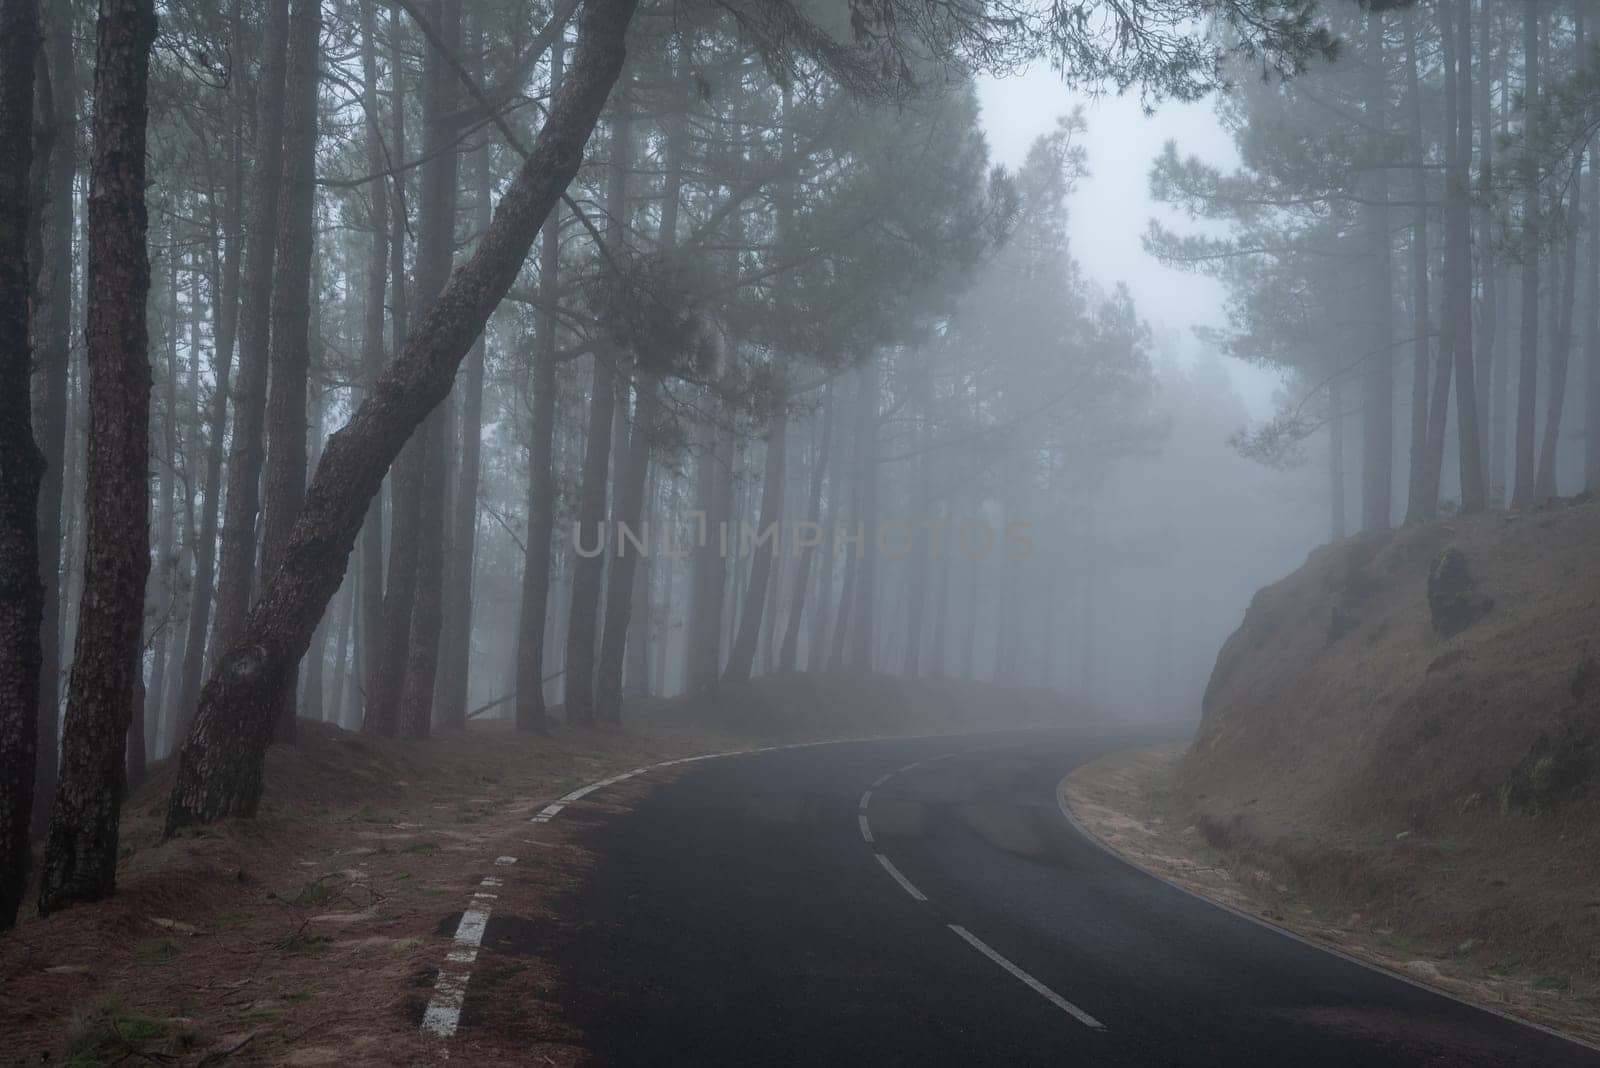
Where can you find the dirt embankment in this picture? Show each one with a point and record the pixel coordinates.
(1406, 732)
(311, 934)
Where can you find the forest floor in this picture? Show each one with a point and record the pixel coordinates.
(312, 934)
(1399, 754)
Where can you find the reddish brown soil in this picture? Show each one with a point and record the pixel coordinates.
(1441, 787)
(311, 934)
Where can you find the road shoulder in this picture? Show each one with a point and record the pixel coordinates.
(1129, 803)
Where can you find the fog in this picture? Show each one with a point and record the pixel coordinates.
(517, 365)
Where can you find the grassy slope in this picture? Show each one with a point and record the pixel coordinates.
(1447, 787)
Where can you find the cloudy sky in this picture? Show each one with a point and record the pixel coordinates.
(1113, 207)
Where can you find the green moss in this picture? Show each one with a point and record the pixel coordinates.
(303, 945)
(108, 1032)
(157, 953)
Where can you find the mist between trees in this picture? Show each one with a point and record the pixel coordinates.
(344, 325)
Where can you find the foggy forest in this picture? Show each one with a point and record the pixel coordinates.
(1173, 421)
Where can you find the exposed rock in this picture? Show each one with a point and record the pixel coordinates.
(1453, 601)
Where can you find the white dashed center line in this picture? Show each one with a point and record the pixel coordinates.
(967, 936)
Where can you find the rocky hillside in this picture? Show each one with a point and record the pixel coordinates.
(1409, 727)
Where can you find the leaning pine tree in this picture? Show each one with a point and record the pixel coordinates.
(220, 765)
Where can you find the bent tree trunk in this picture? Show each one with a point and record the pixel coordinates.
(21, 466)
(81, 856)
(219, 769)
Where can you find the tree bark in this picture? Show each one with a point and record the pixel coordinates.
(290, 312)
(81, 856)
(52, 341)
(236, 562)
(21, 463)
(219, 772)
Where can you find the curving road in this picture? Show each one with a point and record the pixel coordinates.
(760, 910)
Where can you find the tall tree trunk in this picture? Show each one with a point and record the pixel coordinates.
(219, 770)
(163, 579)
(236, 563)
(741, 657)
(52, 340)
(530, 708)
(81, 856)
(435, 251)
(861, 630)
(1377, 409)
(1422, 491)
(291, 308)
(1524, 486)
(818, 640)
(626, 509)
(1561, 344)
(457, 631)
(1489, 300)
(1338, 525)
(789, 653)
(21, 463)
(636, 673)
(1459, 132)
(1591, 336)
(392, 642)
(917, 580)
(334, 709)
(372, 349)
(588, 566)
(225, 317)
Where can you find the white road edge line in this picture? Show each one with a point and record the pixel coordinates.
(1097, 842)
(443, 1014)
(866, 828)
(894, 873)
(1027, 980)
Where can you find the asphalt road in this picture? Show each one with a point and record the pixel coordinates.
(738, 915)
